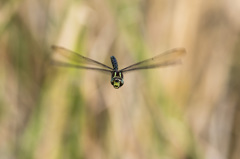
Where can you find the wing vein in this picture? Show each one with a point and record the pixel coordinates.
(63, 64)
(169, 57)
(77, 57)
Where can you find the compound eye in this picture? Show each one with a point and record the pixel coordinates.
(122, 82)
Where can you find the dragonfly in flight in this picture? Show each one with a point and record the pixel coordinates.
(169, 57)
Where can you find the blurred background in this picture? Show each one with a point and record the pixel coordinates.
(189, 111)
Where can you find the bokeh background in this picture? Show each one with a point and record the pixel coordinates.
(189, 111)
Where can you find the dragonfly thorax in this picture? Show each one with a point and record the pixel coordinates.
(117, 79)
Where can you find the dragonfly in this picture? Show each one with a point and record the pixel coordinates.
(167, 58)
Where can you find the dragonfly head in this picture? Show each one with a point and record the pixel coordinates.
(117, 79)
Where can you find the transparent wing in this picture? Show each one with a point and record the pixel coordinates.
(81, 61)
(170, 57)
(63, 64)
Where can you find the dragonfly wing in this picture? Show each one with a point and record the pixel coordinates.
(63, 64)
(77, 58)
(170, 57)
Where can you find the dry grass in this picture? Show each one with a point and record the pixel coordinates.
(183, 112)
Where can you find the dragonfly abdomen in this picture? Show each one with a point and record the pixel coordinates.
(114, 63)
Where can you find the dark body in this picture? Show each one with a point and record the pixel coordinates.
(117, 76)
(167, 58)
